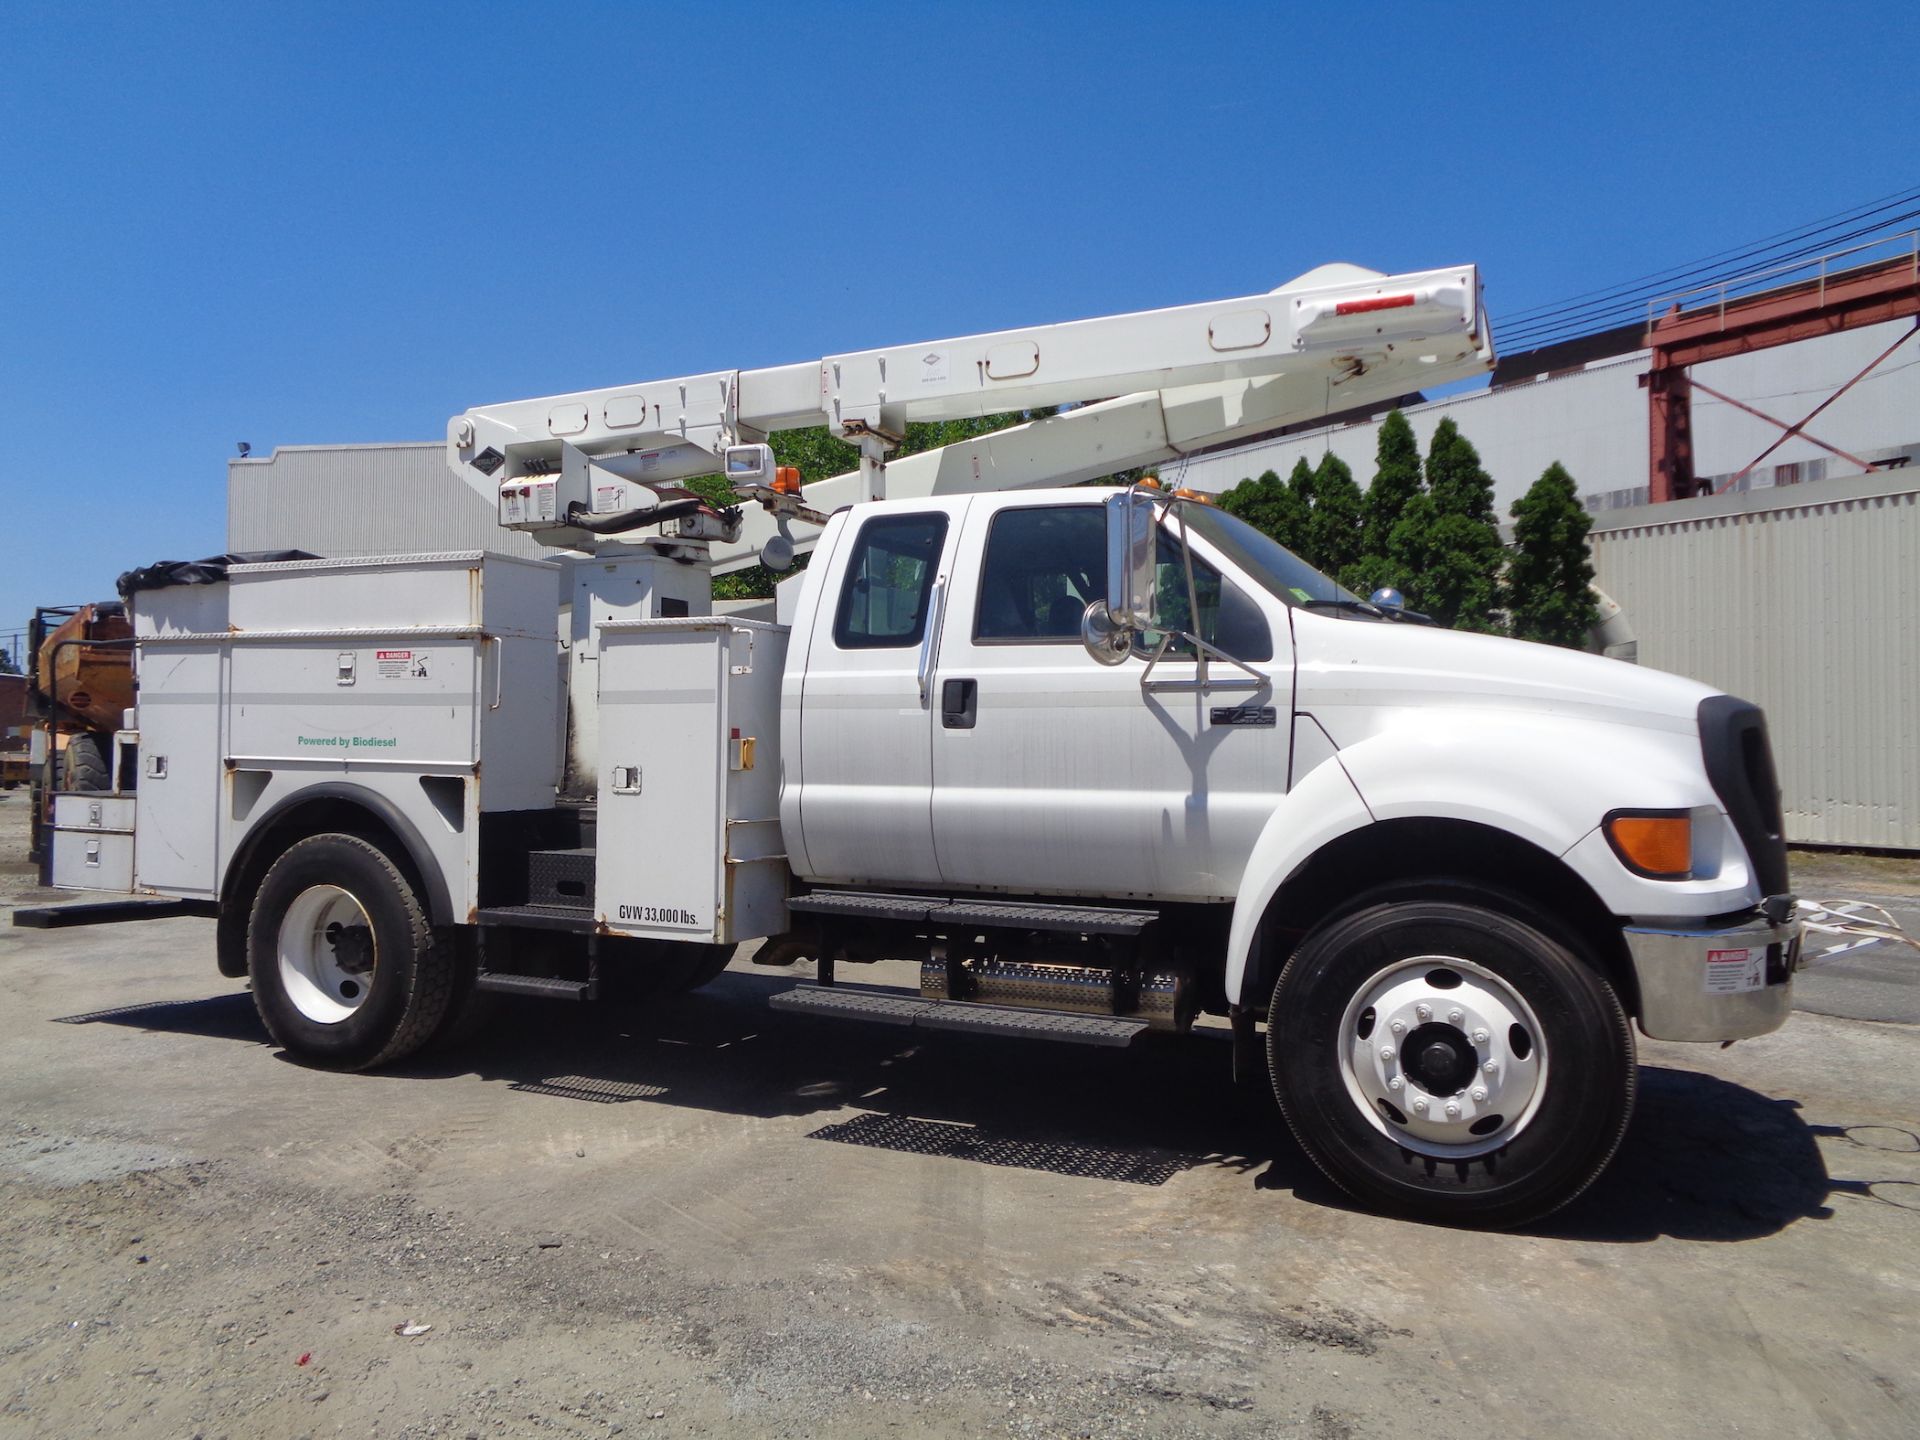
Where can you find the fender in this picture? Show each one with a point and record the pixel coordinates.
(1543, 778)
(1320, 807)
(439, 901)
(1550, 779)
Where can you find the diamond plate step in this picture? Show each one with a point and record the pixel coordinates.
(537, 985)
(538, 917)
(950, 1015)
(989, 914)
(865, 905)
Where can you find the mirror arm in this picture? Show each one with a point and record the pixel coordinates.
(1201, 681)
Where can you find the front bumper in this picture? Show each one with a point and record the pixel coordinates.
(1715, 980)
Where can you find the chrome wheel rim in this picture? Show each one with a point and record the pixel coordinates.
(1443, 1056)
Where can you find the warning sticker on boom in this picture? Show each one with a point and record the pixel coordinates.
(1734, 972)
(403, 664)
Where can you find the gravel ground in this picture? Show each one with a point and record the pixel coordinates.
(713, 1217)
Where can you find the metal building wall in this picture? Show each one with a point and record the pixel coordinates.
(1805, 601)
(362, 500)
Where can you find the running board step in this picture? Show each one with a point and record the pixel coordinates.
(986, 914)
(536, 985)
(895, 1009)
(538, 917)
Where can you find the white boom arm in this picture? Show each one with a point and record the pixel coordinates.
(1331, 340)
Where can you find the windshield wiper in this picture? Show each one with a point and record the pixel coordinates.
(1370, 610)
(1350, 607)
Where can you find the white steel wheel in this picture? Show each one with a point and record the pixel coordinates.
(347, 969)
(1449, 1060)
(327, 953)
(1443, 1056)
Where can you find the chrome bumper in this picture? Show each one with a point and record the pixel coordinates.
(1724, 983)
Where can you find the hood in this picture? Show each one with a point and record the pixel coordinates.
(1358, 666)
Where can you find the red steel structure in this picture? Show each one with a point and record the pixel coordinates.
(1824, 305)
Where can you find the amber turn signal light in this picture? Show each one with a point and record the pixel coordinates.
(786, 480)
(1655, 843)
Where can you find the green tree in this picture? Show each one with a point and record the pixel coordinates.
(8, 665)
(1396, 481)
(1271, 506)
(1460, 586)
(1410, 550)
(1334, 524)
(1549, 587)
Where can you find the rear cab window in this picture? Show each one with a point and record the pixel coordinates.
(889, 582)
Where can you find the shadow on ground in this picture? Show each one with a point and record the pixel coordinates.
(1705, 1159)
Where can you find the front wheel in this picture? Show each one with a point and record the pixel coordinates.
(347, 970)
(1450, 1062)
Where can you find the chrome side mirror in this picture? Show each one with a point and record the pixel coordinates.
(1132, 604)
(1133, 596)
(1108, 643)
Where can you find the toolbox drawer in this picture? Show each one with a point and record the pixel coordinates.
(79, 811)
(92, 860)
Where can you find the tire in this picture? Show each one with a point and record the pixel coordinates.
(84, 766)
(347, 971)
(1501, 1095)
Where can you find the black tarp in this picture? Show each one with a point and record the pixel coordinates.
(210, 571)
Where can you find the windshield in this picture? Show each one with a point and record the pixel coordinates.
(1261, 558)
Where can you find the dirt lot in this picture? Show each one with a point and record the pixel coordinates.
(713, 1218)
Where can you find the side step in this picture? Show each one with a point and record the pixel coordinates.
(896, 1009)
(985, 914)
(578, 918)
(536, 985)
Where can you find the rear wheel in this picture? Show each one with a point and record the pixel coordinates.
(84, 766)
(1450, 1062)
(347, 970)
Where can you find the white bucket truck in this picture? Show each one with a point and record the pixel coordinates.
(1103, 760)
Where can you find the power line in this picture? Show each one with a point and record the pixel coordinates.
(1628, 305)
(1796, 232)
(1626, 302)
(1632, 308)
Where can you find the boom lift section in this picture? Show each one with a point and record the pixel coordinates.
(1187, 377)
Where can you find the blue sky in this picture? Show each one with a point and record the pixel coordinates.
(301, 224)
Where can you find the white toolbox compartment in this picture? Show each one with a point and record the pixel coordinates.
(93, 842)
(689, 841)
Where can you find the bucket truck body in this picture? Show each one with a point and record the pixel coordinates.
(1100, 760)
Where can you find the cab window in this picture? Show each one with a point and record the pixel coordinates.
(889, 582)
(1229, 620)
(1045, 563)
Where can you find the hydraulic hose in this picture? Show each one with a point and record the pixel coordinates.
(580, 518)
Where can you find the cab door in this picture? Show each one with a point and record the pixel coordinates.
(1055, 774)
(866, 709)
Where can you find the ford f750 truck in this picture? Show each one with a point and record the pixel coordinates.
(1103, 760)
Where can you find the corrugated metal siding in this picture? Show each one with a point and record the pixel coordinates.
(1804, 601)
(362, 500)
